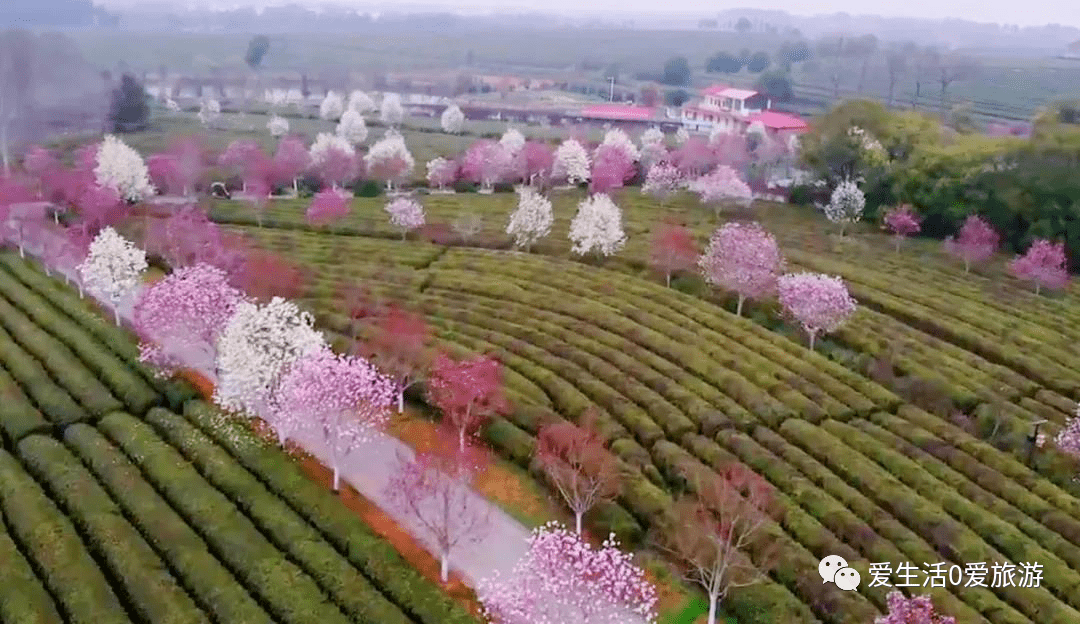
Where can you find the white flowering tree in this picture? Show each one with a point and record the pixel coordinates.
(652, 136)
(682, 135)
(619, 139)
(571, 163)
(294, 97)
(257, 345)
(278, 126)
(171, 105)
(532, 220)
(846, 205)
(389, 160)
(120, 168)
(112, 268)
(332, 107)
(512, 141)
(361, 102)
(352, 127)
(452, 120)
(209, 111)
(276, 98)
(391, 112)
(405, 214)
(597, 226)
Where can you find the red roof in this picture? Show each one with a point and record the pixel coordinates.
(715, 89)
(619, 112)
(778, 121)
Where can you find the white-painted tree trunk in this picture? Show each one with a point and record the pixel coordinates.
(577, 521)
(712, 609)
(444, 567)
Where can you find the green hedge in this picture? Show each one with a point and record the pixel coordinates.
(283, 588)
(129, 386)
(51, 400)
(209, 582)
(55, 550)
(374, 556)
(18, 417)
(144, 581)
(23, 599)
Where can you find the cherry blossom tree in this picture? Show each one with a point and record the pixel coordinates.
(486, 163)
(662, 181)
(328, 206)
(435, 489)
(562, 578)
(265, 275)
(612, 167)
(682, 135)
(112, 268)
(913, 610)
(512, 141)
(22, 220)
(361, 102)
(820, 303)
(468, 392)
(673, 250)
(537, 160)
(391, 112)
(617, 139)
(185, 238)
(441, 173)
(343, 395)
(352, 127)
(1043, 264)
(695, 157)
(743, 258)
(99, 207)
(709, 535)
(278, 126)
(576, 463)
(532, 220)
(571, 163)
(162, 171)
(73, 250)
(209, 111)
(722, 185)
(331, 107)
(902, 221)
(182, 313)
(1068, 439)
(40, 164)
(846, 205)
(239, 157)
(652, 136)
(290, 159)
(257, 344)
(730, 149)
(389, 160)
(333, 159)
(597, 226)
(405, 214)
(400, 347)
(121, 169)
(452, 120)
(976, 242)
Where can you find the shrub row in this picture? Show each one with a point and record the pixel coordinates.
(888, 526)
(374, 556)
(926, 517)
(23, 599)
(65, 367)
(210, 583)
(18, 417)
(53, 401)
(140, 578)
(284, 589)
(1006, 500)
(127, 385)
(55, 550)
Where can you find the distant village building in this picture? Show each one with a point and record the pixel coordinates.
(627, 117)
(733, 110)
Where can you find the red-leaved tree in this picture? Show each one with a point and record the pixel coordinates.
(576, 463)
(434, 488)
(976, 242)
(400, 347)
(711, 536)
(467, 392)
(673, 249)
(1042, 265)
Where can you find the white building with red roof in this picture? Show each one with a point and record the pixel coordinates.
(734, 109)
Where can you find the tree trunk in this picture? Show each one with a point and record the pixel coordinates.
(444, 567)
(577, 521)
(116, 313)
(898, 239)
(404, 233)
(4, 150)
(892, 88)
(1038, 287)
(668, 279)
(401, 401)
(461, 440)
(967, 266)
(738, 307)
(712, 609)
(812, 336)
(22, 250)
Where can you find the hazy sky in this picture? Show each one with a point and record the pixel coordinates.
(1029, 13)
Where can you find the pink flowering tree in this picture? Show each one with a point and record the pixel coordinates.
(14, 194)
(1043, 265)
(673, 250)
(184, 313)
(722, 185)
(1068, 439)
(819, 303)
(743, 258)
(467, 392)
(730, 149)
(695, 157)
(162, 169)
(290, 159)
(976, 242)
(405, 214)
(327, 207)
(662, 181)
(101, 207)
(238, 156)
(487, 163)
(562, 578)
(334, 163)
(913, 610)
(902, 221)
(537, 160)
(187, 237)
(441, 173)
(613, 166)
(434, 489)
(40, 164)
(342, 396)
(389, 160)
(400, 347)
(25, 221)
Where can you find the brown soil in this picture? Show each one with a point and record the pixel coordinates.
(379, 522)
